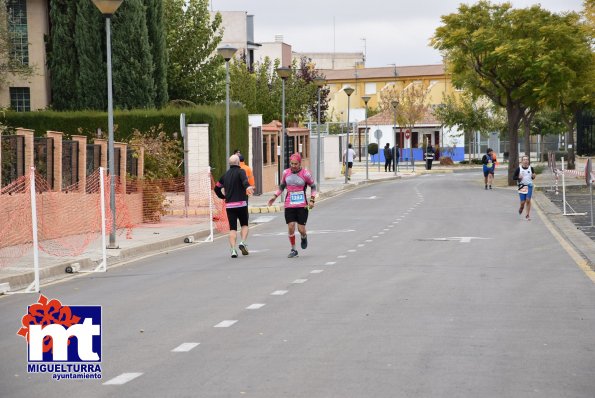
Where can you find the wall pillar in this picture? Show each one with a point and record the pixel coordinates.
(57, 137)
(123, 147)
(82, 161)
(29, 135)
(199, 182)
(102, 142)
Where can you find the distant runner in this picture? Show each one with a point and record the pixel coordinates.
(489, 167)
(525, 175)
(296, 180)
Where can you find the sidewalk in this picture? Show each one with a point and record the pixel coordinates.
(170, 233)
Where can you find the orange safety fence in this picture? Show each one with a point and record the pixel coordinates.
(70, 220)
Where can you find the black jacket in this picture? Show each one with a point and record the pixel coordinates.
(234, 182)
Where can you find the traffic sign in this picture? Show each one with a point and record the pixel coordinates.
(378, 134)
(407, 134)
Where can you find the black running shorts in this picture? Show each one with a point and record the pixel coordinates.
(237, 213)
(296, 214)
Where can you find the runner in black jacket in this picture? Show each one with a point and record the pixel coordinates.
(234, 187)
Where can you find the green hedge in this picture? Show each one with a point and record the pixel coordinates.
(87, 123)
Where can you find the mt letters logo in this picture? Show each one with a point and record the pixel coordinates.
(64, 341)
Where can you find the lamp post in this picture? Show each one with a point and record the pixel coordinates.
(395, 105)
(227, 53)
(348, 91)
(366, 98)
(283, 72)
(108, 8)
(320, 82)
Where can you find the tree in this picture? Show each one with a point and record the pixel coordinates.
(194, 69)
(307, 72)
(89, 42)
(242, 85)
(62, 59)
(133, 72)
(512, 56)
(10, 66)
(156, 32)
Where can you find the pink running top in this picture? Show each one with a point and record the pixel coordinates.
(296, 184)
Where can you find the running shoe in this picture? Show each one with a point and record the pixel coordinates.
(234, 253)
(244, 248)
(293, 253)
(528, 218)
(490, 187)
(486, 187)
(304, 242)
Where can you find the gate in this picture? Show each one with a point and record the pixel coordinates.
(13, 158)
(70, 163)
(585, 133)
(43, 158)
(257, 159)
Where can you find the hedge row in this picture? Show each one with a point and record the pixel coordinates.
(87, 123)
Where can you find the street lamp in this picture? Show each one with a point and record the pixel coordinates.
(395, 105)
(108, 8)
(366, 98)
(348, 91)
(283, 72)
(227, 53)
(320, 82)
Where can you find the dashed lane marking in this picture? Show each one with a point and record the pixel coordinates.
(331, 263)
(225, 324)
(255, 306)
(299, 281)
(185, 347)
(279, 292)
(317, 271)
(122, 379)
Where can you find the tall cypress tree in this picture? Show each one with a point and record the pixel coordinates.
(62, 59)
(132, 63)
(89, 41)
(156, 30)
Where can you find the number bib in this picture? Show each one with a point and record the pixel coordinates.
(524, 189)
(489, 164)
(296, 198)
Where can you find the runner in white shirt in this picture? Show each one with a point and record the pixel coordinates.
(348, 156)
(525, 175)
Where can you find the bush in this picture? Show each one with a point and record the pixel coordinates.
(372, 148)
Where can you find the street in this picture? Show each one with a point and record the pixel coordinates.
(421, 287)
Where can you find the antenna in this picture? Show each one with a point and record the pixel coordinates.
(365, 49)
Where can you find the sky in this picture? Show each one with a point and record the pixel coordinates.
(395, 31)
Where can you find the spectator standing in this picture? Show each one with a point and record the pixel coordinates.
(388, 157)
(429, 156)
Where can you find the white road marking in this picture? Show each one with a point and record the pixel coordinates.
(331, 263)
(369, 240)
(317, 271)
(368, 198)
(255, 306)
(351, 251)
(375, 236)
(122, 379)
(263, 219)
(461, 239)
(361, 245)
(225, 324)
(314, 232)
(185, 347)
(298, 281)
(385, 229)
(342, 256)
(391, 226)
(380, 233)
(279, 292)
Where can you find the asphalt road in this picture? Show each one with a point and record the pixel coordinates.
(426, 287)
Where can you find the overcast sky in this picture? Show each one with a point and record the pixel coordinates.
(396, 31)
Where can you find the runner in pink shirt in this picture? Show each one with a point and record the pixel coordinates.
(296, 180)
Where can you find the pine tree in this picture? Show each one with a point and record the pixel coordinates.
(156, 30)
(89, 41)
(132, 63)
(62, 59)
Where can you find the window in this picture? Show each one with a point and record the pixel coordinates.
(370, 88)
(17, 28)
(20, 99)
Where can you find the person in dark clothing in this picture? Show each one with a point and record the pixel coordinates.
(388, 157)
(429, 156)
(489, 167)
(396, 156)
(234, 187)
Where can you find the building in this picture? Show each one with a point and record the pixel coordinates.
(275, 50)
(29, 24)
(332, 60)
(238, 32)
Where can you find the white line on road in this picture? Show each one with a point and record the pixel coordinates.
(255, 306)
(298, 281)
(225, 324)
(317, 271)
(361, 245)
(351, 251)
(279, 292)
(375, 236)
(331, 263)
(122, 379)
(369, 240)
(185, 347)
(385, 229)
(342, 256)
(380, 233)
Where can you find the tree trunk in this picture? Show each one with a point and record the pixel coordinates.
(570, 144)
(514, 114)
(527, 136)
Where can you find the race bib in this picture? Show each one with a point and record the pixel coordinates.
(524, 189)
(489, 165)
(297, 198)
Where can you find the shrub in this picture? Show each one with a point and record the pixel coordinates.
(372, 148)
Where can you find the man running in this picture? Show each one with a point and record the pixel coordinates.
(525, 175)
(234, 187)
(489, 167)
(296, 180)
